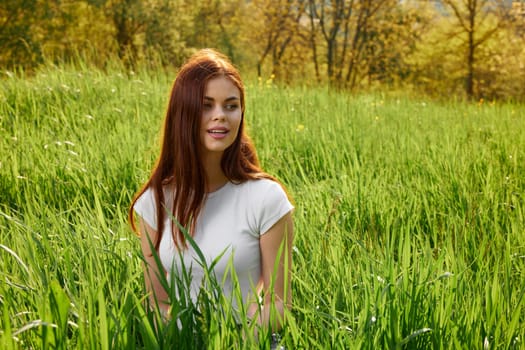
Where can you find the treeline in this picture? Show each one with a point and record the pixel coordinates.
(465, 48)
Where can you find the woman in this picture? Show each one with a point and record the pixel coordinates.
(208, 178)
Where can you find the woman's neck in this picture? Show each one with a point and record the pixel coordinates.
(215, 177)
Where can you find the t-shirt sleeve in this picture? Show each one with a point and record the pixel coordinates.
(146, 208)
(274, 206)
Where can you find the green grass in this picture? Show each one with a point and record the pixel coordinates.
(409, 216)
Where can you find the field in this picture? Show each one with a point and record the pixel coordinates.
(409, 221)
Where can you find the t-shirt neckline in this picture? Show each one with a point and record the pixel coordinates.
(219, 190)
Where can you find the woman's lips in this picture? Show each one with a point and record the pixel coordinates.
(218, 133)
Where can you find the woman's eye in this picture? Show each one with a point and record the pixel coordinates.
(207, 106)
(231, 107)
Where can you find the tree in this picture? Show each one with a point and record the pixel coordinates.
(391, 42)
(212, 23)
(344, 25)
(476, 21)
(17, 45)
(146, 31)
(163, 37)
(129, 18)
(278, 26)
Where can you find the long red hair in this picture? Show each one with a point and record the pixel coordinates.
(179, 166)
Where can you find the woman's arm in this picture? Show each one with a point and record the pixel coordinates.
(280, 234)
(152, 272)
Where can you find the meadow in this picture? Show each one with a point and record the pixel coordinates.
(409, 220)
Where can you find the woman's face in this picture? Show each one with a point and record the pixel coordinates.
(221, 116)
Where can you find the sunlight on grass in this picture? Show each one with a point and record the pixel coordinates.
(409, 216)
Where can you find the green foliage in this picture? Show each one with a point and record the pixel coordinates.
(473, 52)
(409, 217)
(16, 19)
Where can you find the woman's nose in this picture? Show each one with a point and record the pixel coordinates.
(218, 113)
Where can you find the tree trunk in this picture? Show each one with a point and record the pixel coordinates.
(313, 43)
(469, 83)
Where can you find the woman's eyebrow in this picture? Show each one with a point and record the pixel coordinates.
(231, 98)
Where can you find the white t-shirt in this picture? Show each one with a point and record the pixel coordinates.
(230, 223)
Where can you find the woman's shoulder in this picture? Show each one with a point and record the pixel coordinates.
(260, 185)
(266, 201)
(146, 204)
(149, 199)
(146, 207)
(261, 189)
